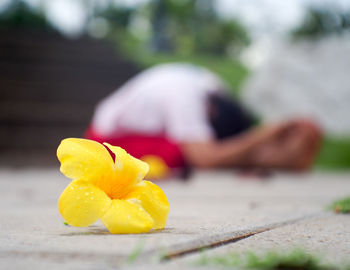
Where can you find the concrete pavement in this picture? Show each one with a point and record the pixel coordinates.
(212, 209)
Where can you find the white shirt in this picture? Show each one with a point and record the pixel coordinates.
(167, 99)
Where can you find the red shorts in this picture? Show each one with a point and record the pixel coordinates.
(141, 145)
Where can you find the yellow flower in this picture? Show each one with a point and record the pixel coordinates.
(113, 192)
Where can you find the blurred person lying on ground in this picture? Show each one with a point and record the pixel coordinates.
(181, 115)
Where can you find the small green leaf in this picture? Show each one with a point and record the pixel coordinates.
(137, 251)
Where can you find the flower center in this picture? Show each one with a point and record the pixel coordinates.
(115, 187)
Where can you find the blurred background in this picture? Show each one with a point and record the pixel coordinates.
(58, 58)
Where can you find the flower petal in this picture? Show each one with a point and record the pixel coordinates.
(129, 171)
(81, 203)
(158, 169)
(127, 216)
(153, 200)
(84, 159)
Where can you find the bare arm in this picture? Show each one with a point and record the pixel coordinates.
(229, 152)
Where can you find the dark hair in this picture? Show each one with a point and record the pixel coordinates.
(227, 116)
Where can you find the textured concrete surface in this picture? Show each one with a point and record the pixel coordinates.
(209, 209)
(327, 238)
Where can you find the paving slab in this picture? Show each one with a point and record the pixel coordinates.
(210, 208)
(327, 238)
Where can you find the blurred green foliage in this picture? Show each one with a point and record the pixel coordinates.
(230, 70)
(180, 27)
(183, 31)
(193, 26)
(118, 17)
(19, 15)
(320, 22)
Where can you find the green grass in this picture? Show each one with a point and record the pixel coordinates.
(135, 253)
(231, 70)
(296, 259)
(334, 154)
(341, 206)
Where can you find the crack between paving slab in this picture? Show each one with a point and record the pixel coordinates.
(173, 252)
(228, 238)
